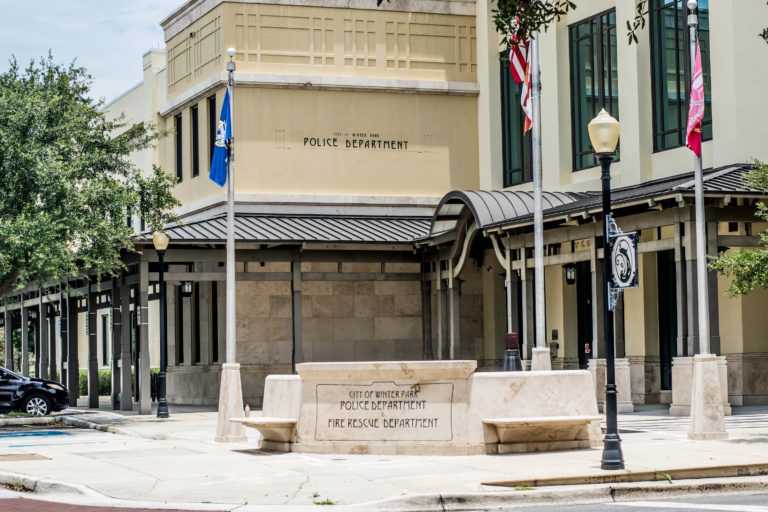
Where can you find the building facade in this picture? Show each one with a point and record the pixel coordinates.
(382, 192)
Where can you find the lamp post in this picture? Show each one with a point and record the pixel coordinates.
(160, 240)
(604, 134)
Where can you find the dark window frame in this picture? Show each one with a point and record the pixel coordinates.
(516, 169)
(179, 146)
(212, 126)
(597, 63)
(683, 79)
(193, 111)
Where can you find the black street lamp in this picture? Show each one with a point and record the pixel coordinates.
(160, 240)
(604, 134)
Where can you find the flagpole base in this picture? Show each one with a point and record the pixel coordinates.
(230, 406)
(707, 420)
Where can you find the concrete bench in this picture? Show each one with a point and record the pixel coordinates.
(277, 434)
(538, 434)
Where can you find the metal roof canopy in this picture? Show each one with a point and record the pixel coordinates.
(491, 207)
(302, 228)
(721, 182)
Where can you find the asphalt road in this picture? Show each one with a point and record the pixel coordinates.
(730, 503)
(33, 505)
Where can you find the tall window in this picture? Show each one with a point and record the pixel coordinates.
(516, 145)
(212, 123)
(179, 154)
(670, 68)
(195, 145)
(594, 81)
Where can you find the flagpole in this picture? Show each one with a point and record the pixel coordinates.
(540, 359)
(701, 226)
(707, 416)
(231, 390)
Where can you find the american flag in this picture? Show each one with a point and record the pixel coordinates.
(517, 61)
(696, 108)
(525, 94)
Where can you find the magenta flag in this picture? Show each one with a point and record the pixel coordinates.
(696, 109)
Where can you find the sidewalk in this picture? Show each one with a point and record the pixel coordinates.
(175, 461)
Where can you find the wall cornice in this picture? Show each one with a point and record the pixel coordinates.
(318, 82)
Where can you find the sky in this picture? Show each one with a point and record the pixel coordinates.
(107, 37)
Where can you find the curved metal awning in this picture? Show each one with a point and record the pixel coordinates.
(491, 207)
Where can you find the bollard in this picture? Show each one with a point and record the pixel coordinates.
(512, 362)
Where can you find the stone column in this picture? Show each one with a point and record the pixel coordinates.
(681, 293)
(143, 377)
(598, 298)
(126, 395)
(42, 329)
(170, 318)
(52, 356)
(186, 330)
(440, 313)
(528, 337)
(618, 323)
(714, 316)
(204, 312)
(682, 384)
(116, 343)
(73, 361)
(221, 296)
(9, 337)
(64, 334)
(298, 348)
(93, 354)
(24, 340)
(692, 315)
(454, 315)
(427, 349)
(623, 384)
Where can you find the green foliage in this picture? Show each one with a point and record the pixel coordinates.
(104, 386)
(641, 11)
(68, 186)
(748, 267)
(521, 17)
(105, 381)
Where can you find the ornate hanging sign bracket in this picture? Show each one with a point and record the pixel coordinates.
(623, 251)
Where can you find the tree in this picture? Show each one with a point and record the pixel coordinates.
(748, 267)
(67, 185)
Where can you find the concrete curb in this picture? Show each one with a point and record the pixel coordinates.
(44, 486)
(660, 475)
(566, 495)
(39, 420)
(455, 502)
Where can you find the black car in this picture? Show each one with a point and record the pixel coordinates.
(34, 396)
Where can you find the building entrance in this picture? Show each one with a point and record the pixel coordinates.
(667, 315)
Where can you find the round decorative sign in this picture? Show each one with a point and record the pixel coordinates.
(624, 260)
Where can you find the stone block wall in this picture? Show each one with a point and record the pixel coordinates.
(361, 320)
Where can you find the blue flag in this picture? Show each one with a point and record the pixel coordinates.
(220, 157)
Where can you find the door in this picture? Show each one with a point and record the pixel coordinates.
(584, 312)
(667, 279)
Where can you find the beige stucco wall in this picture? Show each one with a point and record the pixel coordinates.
(641, 319)
(307, 142)
(322, 41)
(738, 103)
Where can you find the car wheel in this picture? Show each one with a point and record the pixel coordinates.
(37, 405)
